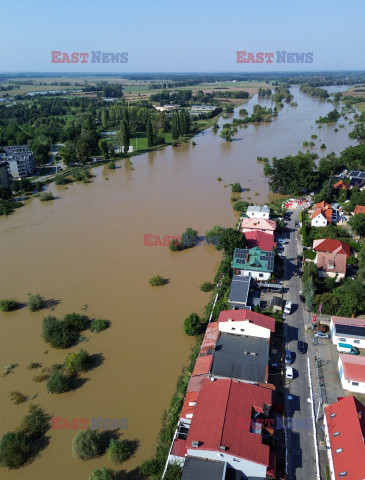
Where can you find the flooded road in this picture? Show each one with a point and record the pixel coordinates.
(85, 251)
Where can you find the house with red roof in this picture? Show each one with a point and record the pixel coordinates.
(323, 215)
(246, 322)
(258, 225)
(359, 209)
(262, 240)
(229, 424)
(348, 330)
(341, 185)
(331, 257)
(351, 369)
(344, 424)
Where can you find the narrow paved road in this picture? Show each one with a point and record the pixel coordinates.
(301, 454)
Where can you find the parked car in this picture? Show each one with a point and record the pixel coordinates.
(321, 335)
(289, 373)
(287, 308)
(302, 347)
(288, 357)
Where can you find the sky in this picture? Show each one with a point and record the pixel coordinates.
(181, 36)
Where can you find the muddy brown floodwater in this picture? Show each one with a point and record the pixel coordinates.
(85, 251)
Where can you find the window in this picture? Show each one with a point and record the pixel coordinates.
(233, 328)
(338, 450)
(336, 434)
(242, 329)
(343, 474)
(261, 275)
(355, 384)
(332, 415)
(342, 339)
(356, 341)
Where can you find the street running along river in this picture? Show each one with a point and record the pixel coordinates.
(85, 250)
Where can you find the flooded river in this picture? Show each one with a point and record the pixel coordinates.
(85, 251)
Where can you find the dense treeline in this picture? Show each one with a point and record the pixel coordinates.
(314, 91)
(299, 174)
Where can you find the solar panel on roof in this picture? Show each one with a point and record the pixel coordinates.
(350, 330)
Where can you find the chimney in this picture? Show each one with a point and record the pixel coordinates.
(222, 448)
(195, 444)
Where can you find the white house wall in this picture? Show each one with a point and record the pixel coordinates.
(336, 339)
(244, 327)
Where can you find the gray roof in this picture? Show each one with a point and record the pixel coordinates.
(277, 301)
(202, 469)
(357, 174)
(238, 292)
(241, 358)
(258, 208)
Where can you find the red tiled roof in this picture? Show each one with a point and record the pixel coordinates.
(258, 224)
(263, 240)
(222, 417)
(323, 204)
(211, 336)
(331, 262)
(326, 212)
(195, 383)
(332, 246)
(351, 426)
(179, 448)
(241, 315)
(357, 322)
(359, 209)
(187, 409)
(353, 367)
(203, 365)
(341, 184)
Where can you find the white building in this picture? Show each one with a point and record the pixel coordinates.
(246, 322)
(20, 159)
(348, 330)
(258, 211)
(351, 369)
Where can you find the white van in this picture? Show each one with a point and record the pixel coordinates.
(289, 373)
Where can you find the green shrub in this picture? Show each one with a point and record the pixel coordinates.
(36, 302)
(236, 187)
(87, 444)
(9, 304)
(193, 325)
(41, 377)
(15, 449)
(111, 165)
(36, 423)
(156, 281)
(149, 467)
(77, 362)
(33, 365)
(46, 196)
(17, 397)
(75, 321)
(240, 206)
(207, 286)
(119, 450)
(58, 383)
(103, 473)
(99, 325)
(58, 333)
(173, 472)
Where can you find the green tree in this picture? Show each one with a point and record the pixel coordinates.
(175, 125)
(357, 223)
(103, 147)
(230, 239)
(36, 302)
(103, 473)
(126, 135)
(173, 472)
(9, 304)
(119, 450)
(104, 118)
(77, 362)
(358, 133)
(58, 383)
(68, 153)
(36, 423)
(5, 193)
(193, 325)
(87, 444)
(15, 449)
(226, 134)
(150, 134)
(98, 325)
